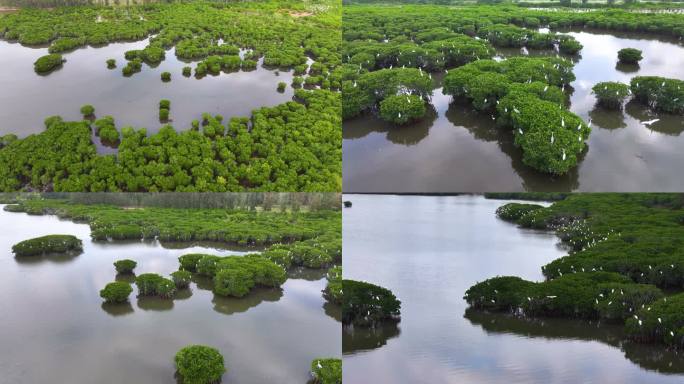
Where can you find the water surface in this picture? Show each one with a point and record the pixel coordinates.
(27, 98)
(55, 328)
(429, 251)
(457, 149)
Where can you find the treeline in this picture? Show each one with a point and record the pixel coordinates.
(64, 3)
(266, 201)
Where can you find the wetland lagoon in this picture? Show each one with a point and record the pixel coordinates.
(428, 250)
(58, 329)
(457, 148)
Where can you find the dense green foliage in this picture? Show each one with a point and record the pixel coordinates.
(611, 94)
(47, 244)
(606, 295)
(326, 371)
(284, 34)
(199, 364)
(111, 63)
(333, 291)
(365, 304)
(295, 237)
(236, 276)
(294, 146)
(87, 110)
(151, 284)
(515, 211)
(661, 321)
(525, 94)
(402, 109)
(659, 93)
(48, 63)
(125, 266)
(181, 278)
(166, 76)
(116, 292)
(629, 55)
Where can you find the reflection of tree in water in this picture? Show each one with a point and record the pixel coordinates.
(333, 310)
(358, 339)
(409, 134)
(627, 68)
(607, 118)
(183, 294)
(117, 309)
(125, 277)
(149, 303)
(483, 128)
(57, 258)
(231, 305)
(308, 274)
(667, 124)
(649, 357)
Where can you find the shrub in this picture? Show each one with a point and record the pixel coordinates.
(163, 114)
(281, 86)
(233, 282)
(661, 322)
(365, 304)
(515, 211)
(629, 56)
(189, 262)
(166, 76)
(151, 284)
(611, 94)
(48, 63)
(116, 292)
(164, 104)
(659, 93)
(48, 244)
(108, 134)
(181, 279)
(402, 109)
(111, 63)
(326, 371)
(187, 71)
(569, 45)
(87, 110)
(207, 265)
(333, 291)
(199, 364)
(248, 65)
(125, 266)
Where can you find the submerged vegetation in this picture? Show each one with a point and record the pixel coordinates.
(48, 244)
(199, 364)
(368, 305)
(293, 146)
(625, 264)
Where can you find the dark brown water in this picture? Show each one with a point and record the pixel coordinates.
(457, 149)
(429, 251)
(55, 328)
(27, 98)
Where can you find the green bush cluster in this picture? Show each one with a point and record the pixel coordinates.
(326, 371)
(611, 94)
(333, 291)
(166, 76)
(606, 295)
(402, 109)
(64, 44)
(515, 211)
(111, 63)
(659, 93)
(199, 364)
(661, 321)
(524, 93)
(125, 266)
(189, 261)
(236, 276)
(133, 66)
(152, 284)
(215, 64)
(151, 54)
(282, 86)
(48, 63)
(48, 244)
(105, 128)
(292, 146)
(87, 110)
(366, 305)
(181, 278)
(187, 71)
(116, 292)
(317, 252)
(629, 56)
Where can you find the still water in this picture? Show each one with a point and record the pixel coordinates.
(457, 149)
(429, 251)
(55, 328)
(27, 98)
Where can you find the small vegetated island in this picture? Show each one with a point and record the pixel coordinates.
(390, 54)
(48, 245)
(295, 146)
(625, 265)
(368, 305)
